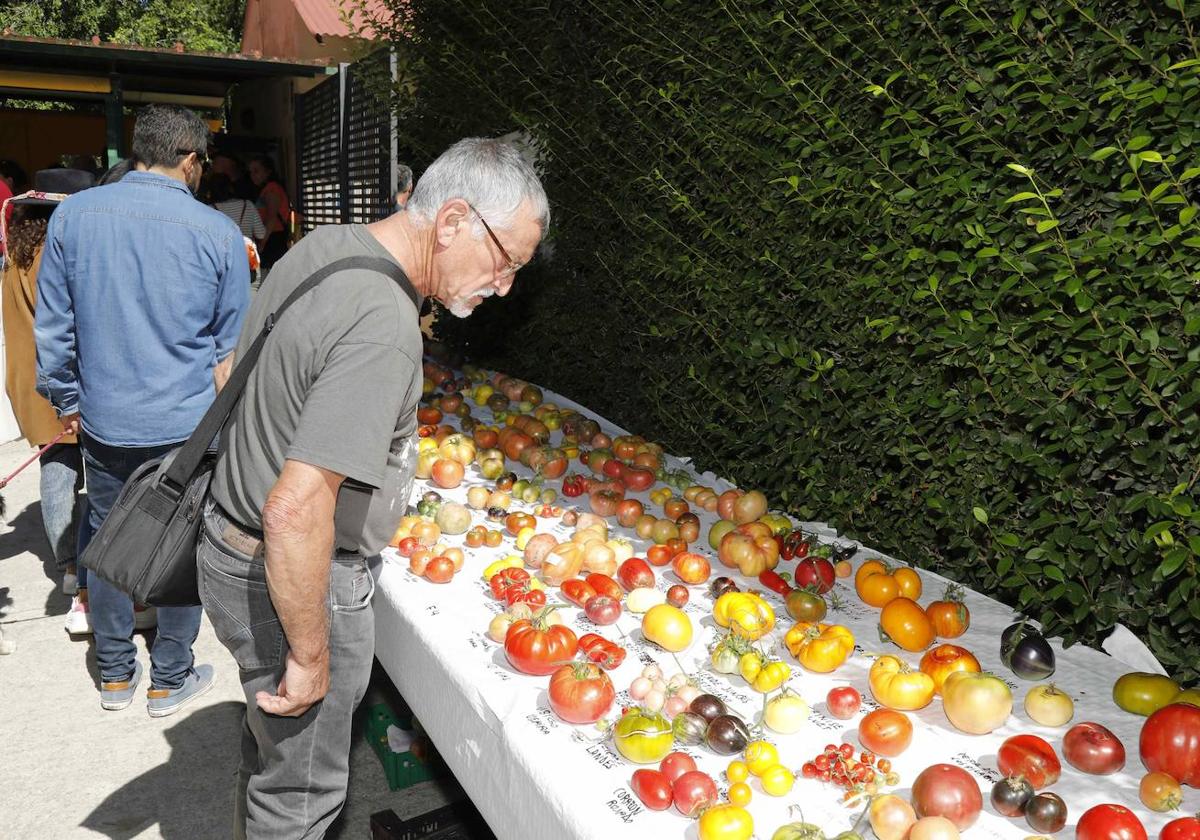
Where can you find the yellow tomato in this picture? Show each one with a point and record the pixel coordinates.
(737, 771)
(427, 444)
(725, 822)
(524, 536)
(819, 647)
(668, 627)
(777, 780)
(748, 615)
(760, 756)
(897, 686)
(739, 793)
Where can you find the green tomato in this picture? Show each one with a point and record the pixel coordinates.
(1188, 695)
(786, 712)
(643, 737)
(798, 831)
(1144, 693)
(719, 529)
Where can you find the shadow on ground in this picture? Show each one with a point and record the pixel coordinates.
(189, 796)
(25, 533)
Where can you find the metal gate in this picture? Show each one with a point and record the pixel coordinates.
(346, 143)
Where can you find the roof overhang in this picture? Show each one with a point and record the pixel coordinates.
(79, 69)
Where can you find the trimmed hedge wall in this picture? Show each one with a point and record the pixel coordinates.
(927, 271)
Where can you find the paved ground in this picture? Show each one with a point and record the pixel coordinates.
(68, 769)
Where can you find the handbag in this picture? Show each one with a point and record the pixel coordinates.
(146, 547)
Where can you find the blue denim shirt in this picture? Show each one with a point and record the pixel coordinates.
(141, 291)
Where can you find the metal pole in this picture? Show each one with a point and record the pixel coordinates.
(114, 123)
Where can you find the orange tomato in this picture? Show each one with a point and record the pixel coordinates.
(658, 555)
(879, 584)
(950, 616)
(691, 568)
(906, 624)
(885, 732)
(943, 660)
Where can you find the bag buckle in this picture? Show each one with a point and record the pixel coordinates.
(269, 324)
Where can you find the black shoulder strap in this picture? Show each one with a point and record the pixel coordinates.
(188, 457)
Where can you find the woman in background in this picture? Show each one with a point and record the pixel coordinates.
(273, 207)
(61, 464)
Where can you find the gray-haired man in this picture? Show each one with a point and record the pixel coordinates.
(317, 463)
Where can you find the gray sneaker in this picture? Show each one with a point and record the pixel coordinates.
(115, 696)
(167, 701)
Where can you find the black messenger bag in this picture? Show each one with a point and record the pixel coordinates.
(146, 547)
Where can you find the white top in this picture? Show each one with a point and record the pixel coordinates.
(245, 216)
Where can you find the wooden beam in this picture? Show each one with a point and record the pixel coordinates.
(57, 82)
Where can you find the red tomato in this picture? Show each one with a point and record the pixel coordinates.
(578, 592)
(534, 647)
(407, 546)
(677, 595)
(1184, 828)
(635, 572)
(944, 790)
(885, 732)
(1031, 757)
(637, 479)
(676, 764)
(601, 609)
(1109, 822)
(440, 570)
(844, 702)
(581, 693)
(691, 567)
(653, 788)
(1170, 743)
(816, 572)
(1092, 748)
(604, 585)
(693, 791)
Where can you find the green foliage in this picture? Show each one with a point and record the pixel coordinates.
(211, 25)
(927, 271)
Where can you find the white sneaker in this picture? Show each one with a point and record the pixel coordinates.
(144, 617)
(79, 620)
(70, 584)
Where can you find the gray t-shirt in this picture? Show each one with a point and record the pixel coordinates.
(336, 386)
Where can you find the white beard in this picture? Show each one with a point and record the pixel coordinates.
(460, 308)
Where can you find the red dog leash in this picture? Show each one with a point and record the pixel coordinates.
(4, 481)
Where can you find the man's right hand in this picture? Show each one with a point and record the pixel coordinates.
(300, 687)
(70, 422)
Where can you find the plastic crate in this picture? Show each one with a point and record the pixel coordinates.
(457, 821)
(402, 769)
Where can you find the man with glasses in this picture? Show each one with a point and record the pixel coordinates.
(317, 463)
(141, 295)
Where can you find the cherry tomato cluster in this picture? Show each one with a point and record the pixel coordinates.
(838, 765)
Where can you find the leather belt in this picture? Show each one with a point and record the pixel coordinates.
(246, 540)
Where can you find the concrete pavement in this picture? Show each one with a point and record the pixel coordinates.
(68, 769)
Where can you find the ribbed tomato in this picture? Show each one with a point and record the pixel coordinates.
(533, 646)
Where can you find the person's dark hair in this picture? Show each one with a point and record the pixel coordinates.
(116, 172)
(269, 165)
(220, 188)
(12, 170)
(27, 233)
(164, 134)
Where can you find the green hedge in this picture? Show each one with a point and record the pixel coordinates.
(924, 270)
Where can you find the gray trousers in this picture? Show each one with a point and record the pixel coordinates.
(292, 778)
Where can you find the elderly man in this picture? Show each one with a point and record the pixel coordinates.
(317, 463)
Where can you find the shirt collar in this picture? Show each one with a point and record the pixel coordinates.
(155, 179)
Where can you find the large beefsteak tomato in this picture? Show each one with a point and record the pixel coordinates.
(534, 646)
(1170, 743)
(581, 693)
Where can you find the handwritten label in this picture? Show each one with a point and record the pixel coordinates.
(543, 720)
(972, 766)
(499, 672)
(604, 756)
(825, 722)
(432, 609)
(624, 805)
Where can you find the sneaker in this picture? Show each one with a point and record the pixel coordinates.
(115, 696)
(167, 701)
(79, 620)
(144, 618)
(70, 584)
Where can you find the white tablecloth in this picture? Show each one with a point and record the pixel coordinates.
(533, 776)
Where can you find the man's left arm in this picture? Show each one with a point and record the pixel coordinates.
(233, 299)
(54, 327)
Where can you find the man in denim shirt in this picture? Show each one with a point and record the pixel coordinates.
(141, 296)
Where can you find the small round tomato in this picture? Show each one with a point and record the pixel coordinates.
(676, 764)
(440, 570)
(1159, 792)
(843, 702)
(693, 791)
(677, 595)
(740, 793)
(737, 771)
(885, 732)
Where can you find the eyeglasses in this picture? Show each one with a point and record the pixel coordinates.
(511, 266)
(201, 157)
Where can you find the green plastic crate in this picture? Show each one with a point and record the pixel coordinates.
(402, 769)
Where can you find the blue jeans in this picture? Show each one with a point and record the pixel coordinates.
(62, 479)
(106, 468)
